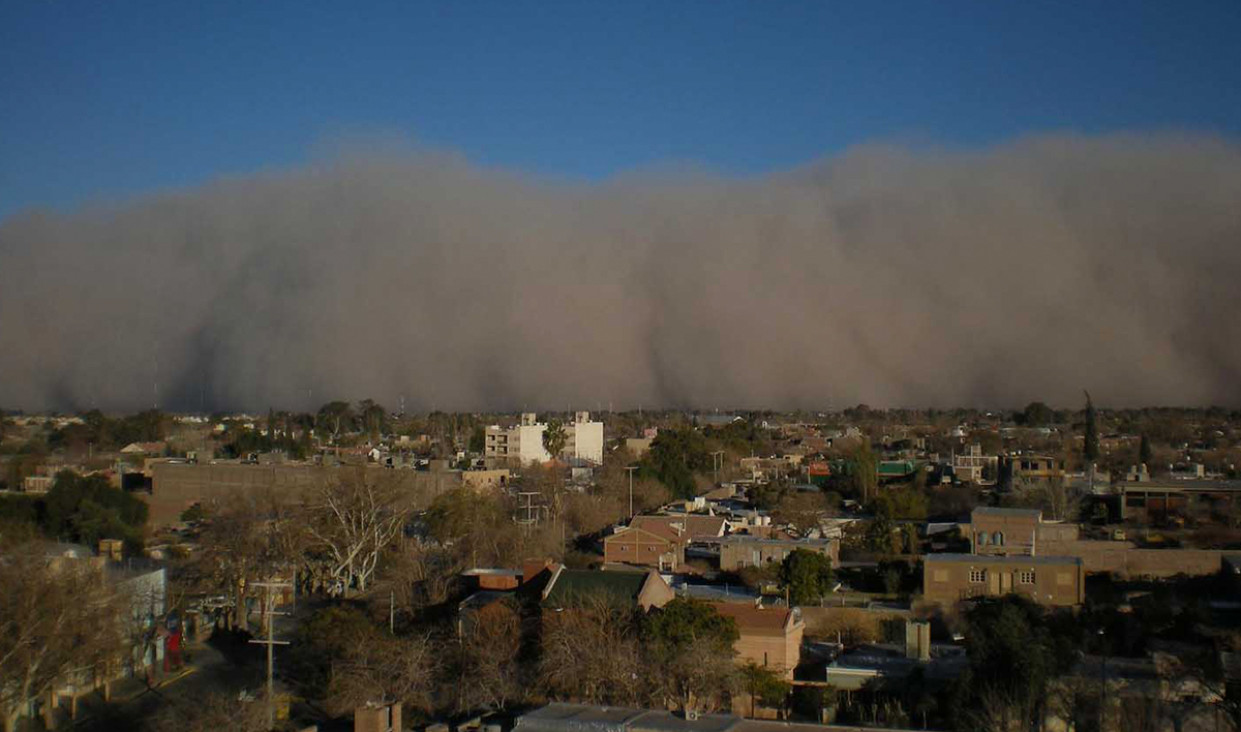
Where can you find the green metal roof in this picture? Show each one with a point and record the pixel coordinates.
(575, 585)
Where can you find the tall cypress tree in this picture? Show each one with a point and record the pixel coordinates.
(1144, 451)
(1091, 447)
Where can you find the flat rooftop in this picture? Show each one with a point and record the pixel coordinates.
(951, 558)
(1014, 512)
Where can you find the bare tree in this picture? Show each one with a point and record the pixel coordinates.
(483, 670)
(591, 653)
(380, 667)
(247, 538)
(59, 621)
(352, 520)
(209, 712)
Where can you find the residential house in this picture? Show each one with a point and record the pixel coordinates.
(570, 587)
(769, 637)
(1004, 531)
(950, 578)
(740, 550)
(688, 527)
(656, 545)
(972, 466)
(1032, 468)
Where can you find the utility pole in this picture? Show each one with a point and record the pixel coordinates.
(717, 461)
(629, 469)
(1102, 681)
(271, 643)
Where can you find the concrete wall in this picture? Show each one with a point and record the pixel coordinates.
(1126, 560)
(177, 486)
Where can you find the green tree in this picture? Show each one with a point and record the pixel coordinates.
(807, 575)
(903, 503)
(1090, 447)
(675, 455)
(374, 418)
(86, 509)
(864, 471)
(335, 417)
(478, 440)
(1037, 414)
(1014, 654)
(554, 438)
(691, 647)
(765, 687)
(1145, 454)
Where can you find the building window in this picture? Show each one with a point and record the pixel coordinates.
(997, 538)
(978, 575)
(982, 538)
(1026, 577)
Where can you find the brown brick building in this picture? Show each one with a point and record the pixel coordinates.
(1004, 531)
(655, 545)
(769, 636)
(950, 578)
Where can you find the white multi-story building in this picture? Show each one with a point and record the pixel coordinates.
(524, 442)
(585, 438)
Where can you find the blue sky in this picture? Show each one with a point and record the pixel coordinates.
(101, 100)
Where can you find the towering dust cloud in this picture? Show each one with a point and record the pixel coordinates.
(895, 277)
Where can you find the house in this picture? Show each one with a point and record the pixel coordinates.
(480, 480)
(950, 578)
(570, 587)
(143, 448)
(656, 545)
(1004, 531)
(890, 665)
(638, 446)
(769, 637)
(1033, 468)
(972, 466)
(739, 550)
(489, 578)
(1158, 501)
(688, 527)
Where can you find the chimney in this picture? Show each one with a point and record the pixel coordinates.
(377, 718)
(918, 640)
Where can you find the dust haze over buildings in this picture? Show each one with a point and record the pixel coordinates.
(889, 275)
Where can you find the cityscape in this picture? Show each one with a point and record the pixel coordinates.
(620, 367)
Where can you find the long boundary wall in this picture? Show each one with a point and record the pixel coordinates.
(177, 486)
(1127, 560)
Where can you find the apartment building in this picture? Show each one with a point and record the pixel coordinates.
(524, 441)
